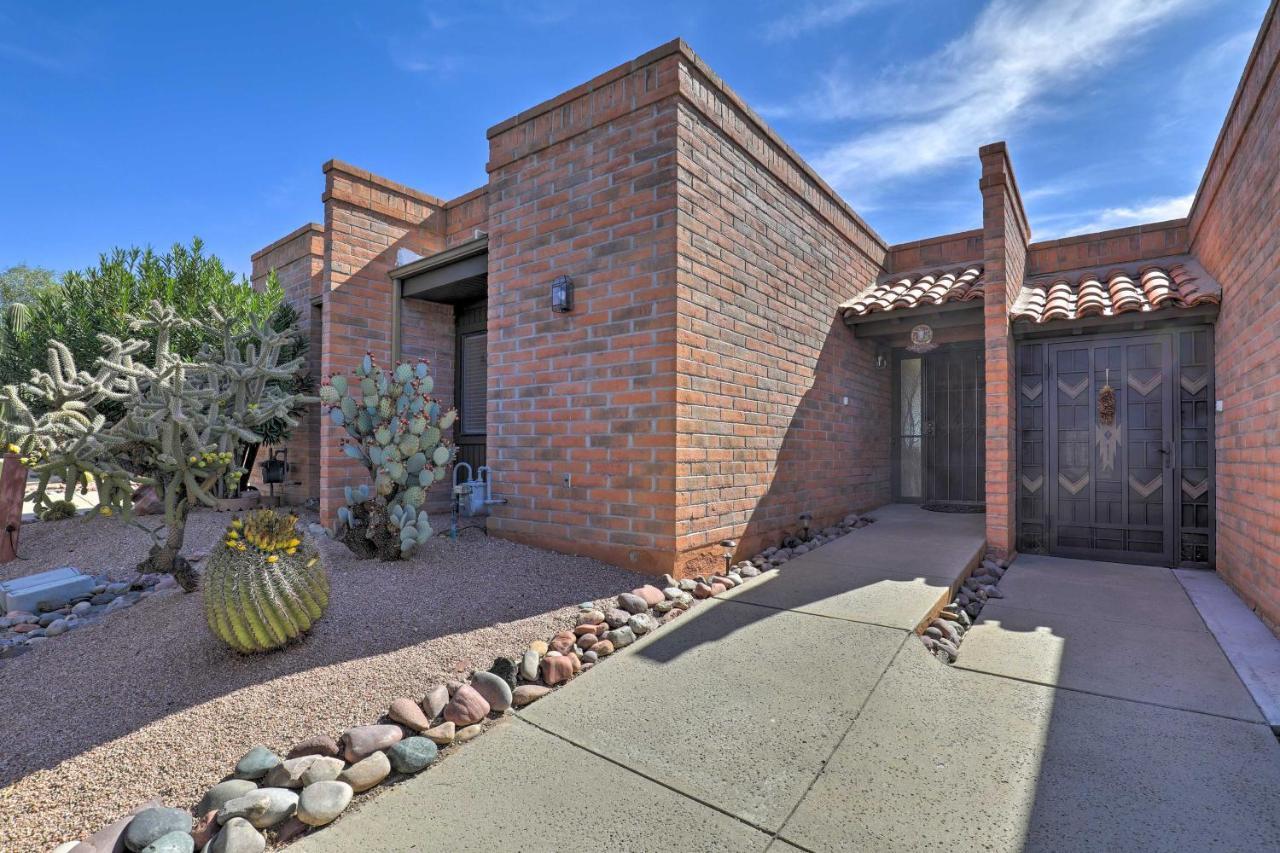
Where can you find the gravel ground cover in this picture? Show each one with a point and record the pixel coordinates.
(146, 703)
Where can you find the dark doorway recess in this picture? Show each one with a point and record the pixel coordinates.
(940, 416)
(471, 381)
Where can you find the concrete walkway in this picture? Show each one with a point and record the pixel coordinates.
(801, 712)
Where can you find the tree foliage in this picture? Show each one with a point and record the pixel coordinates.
(182, 418)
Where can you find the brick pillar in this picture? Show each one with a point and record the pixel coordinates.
(367, 219)
(1005, 236)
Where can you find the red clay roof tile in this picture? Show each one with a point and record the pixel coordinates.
(1178, 282)
(915, 289)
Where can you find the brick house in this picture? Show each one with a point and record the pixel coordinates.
(741, 347)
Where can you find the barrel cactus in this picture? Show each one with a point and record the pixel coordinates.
(395, 428)
(264, 586)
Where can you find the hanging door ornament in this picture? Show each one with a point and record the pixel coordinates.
(922, 339)
(1109, 433)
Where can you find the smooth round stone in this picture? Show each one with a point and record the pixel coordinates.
(616, 617)
(649, 594)
(263, 808)
(468, 733)
(367, 773)
(288, 773)
(362, 741)
(324, 769)
(412, 755)
(526, 693)
(466, 707)
(539, 647)
(495, 690)
(664, 606)
(65, 847)
(529, 665)
(315, 745)
(256, 763)
(632, 603)
(217, 796)
(604, 648)
(671, 593)
(590, 656)
(443, 734)
(237, 836)
(407, 712)
(435, 700)
(321, 802)
(172, 842)
(591, 617)
(151, 824)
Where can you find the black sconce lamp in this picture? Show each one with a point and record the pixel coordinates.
(562, 295)
(729, 545)
(882, 358)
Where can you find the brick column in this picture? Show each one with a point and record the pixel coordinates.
(367, 219)
(1005, 236)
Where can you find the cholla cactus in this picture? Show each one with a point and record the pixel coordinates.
(264, 586)
(182, 419)
(396, 430)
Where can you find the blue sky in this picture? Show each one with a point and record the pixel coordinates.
(146, 122)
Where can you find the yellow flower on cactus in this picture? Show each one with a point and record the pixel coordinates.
(237, 523)
(231, 534)
(312, 562)
(291, 551)
(13, 448)
(272, 558)
(105, 510)
(294, 542)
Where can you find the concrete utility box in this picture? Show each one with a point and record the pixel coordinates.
(56, 586)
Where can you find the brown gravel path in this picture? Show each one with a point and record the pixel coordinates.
(147, 703)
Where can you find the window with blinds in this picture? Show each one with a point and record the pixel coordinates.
(473, 376)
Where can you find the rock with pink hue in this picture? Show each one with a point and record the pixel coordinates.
(703, 590)
(441, 735)
(314, 745)
(435, 700)
(406, 712)
(596, 628)
(467, 707)
(590, 617)
(557, 670)
(586, 641)
(563, 642)
(363, 741)
(717, 588)
(603, 648)
(205, 828)
(526, 693)
(650, 593)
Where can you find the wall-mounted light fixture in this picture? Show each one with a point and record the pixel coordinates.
(806, 520)
(562, 295)
(882, 358)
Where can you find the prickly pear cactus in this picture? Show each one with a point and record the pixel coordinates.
(264, 586)
(395, 429)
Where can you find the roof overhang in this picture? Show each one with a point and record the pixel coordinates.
(455, 275)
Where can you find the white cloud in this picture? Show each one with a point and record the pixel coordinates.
(812, 16)
(1152, 210)
(1003, 69)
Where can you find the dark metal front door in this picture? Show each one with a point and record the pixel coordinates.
(954, 425)
(1110, 476)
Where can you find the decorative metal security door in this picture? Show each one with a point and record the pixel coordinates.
(1110, 467)
(954, 425)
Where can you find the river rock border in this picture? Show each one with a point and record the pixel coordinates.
(943, 635)
(21, 631)
(276, 798)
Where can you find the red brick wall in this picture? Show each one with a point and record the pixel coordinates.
(465, 216)
(941, 252)
(767, 253)
(367, 219)
(1105, 248)
(1235, 235)
(1004, 238)
(584, 186)
(298, 261)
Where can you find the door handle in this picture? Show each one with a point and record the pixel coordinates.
(1167, 454)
